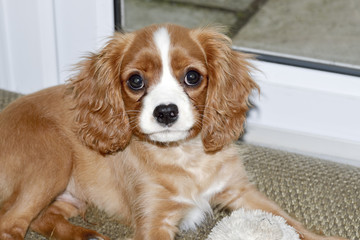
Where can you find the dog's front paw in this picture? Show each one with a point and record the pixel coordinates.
(13, 233)
(317, 237)
(335, 238)
(92, 235)
(94, 238)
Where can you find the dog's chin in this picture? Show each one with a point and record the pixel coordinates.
(168, 136)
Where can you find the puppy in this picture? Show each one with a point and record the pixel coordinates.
(144, 132)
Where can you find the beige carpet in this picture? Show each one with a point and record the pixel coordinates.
(325, 196)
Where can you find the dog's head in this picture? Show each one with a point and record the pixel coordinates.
(164, 83)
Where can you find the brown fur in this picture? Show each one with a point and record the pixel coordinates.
(77, 144)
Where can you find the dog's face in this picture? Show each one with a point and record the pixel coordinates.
(166, 84)
(164, 81)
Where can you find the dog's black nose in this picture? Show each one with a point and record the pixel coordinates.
(166, 114)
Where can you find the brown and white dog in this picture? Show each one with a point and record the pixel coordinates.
(144, 132)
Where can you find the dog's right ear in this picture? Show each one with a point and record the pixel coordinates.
(101, 121)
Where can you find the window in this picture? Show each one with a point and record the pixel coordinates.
(320, 34)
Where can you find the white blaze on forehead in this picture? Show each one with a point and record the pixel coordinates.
(168, 88)
(162, 42)
(167, 91)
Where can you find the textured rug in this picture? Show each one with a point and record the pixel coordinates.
(325, 196)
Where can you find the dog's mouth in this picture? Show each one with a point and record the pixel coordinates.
(169, 135)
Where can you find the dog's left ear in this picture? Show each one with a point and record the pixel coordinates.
(102, 123)
(229, 86)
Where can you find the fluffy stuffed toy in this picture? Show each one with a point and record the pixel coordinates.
(252, 225)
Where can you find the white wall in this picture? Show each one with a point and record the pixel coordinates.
(81, 26)
(27, 47)
(41, 39)
(307, 111)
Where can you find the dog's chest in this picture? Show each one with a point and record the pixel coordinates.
(204, 178)
(185, 175)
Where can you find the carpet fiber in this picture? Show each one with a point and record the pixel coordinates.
(324, 196)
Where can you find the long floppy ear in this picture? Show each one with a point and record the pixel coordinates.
(229, 86)
(102, 123)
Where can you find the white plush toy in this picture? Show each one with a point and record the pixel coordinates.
(252, 225)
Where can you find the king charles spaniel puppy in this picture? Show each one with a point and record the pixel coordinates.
(144, 132)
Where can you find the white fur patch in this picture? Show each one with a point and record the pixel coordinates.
(167, 91)
(201, 206)
(69, 198)
(196, 215)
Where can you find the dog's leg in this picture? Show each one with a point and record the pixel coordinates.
(16, 215)
(35, 167)
(249, 197)
(159, 222)
(23, 206)
(53, 223)
(28, 198)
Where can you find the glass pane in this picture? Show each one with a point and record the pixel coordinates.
(189, 13)
(321, 29)
(326, 30)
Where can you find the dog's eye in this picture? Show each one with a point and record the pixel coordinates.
(136, 82)
(192, 78)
